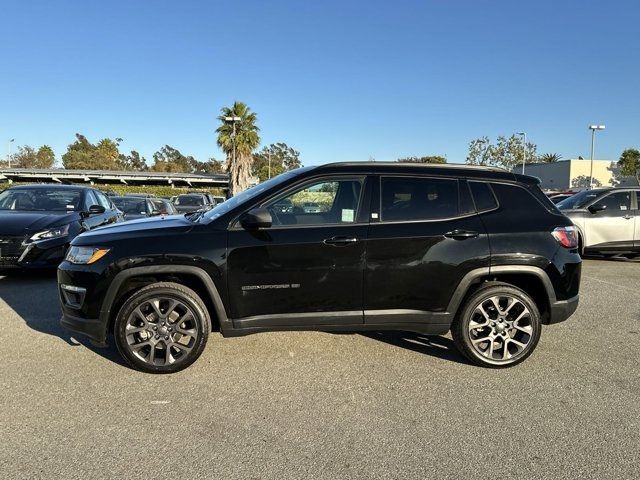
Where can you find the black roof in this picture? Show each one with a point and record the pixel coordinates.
(440, 169)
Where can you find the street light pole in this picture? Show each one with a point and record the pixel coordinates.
(524, 149)
(9, 157)
(269, 157)
(593, 129)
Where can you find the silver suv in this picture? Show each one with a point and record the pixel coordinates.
(607, 219)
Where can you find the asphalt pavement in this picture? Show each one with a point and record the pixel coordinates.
(318, 405)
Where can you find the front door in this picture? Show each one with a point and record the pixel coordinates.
(422, 241)
(612, 227)
(306, 269)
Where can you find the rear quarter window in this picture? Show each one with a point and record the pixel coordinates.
(517, 199)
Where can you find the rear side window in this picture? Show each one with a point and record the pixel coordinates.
(517, 199)
(404, 198)
(483, 196)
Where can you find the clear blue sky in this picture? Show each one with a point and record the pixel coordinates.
(337, 79)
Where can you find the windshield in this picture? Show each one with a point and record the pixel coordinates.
(190, 200)
(248, 194)
(41, 200)
(132, 206)
(579, 200)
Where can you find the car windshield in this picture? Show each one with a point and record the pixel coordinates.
(250, 193)
(579, 200)
(41, 200)
(190, 200)
(131, 206)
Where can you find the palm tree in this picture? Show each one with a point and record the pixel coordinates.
(550, 157)
(246, 141)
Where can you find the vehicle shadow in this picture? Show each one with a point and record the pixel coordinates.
(33, 296)
(433, 345)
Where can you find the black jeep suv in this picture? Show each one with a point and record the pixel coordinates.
(478, 251)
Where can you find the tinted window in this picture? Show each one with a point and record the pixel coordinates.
(579, 200)
(517, 199)
(616, 201)
(40, 199)
(483, 196)
(323, 202)
(90, 199)
(103, 200)
(131, 205)
(190, 200)
(418, 198)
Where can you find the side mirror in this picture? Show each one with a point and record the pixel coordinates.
(94, 210)
(155, 213)
(595, 208)
(256, 218)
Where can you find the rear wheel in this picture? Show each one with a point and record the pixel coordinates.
(162, 328)
(498, 326)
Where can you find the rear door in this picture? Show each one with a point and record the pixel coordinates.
(636, 236)
(614, 226)
(424, 237)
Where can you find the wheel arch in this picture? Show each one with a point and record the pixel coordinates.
(532, 280)
(133, 279)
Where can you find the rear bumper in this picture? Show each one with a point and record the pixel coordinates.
(561, 310)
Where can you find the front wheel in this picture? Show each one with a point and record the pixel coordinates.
(162, 328)
(498, 326)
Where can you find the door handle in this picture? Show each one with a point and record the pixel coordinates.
(461, 234)
(628, 217)
(340, 241)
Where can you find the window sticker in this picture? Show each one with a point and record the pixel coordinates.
(347, 215)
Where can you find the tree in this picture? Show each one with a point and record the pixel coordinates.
(583, 181)
(480, 151)
(427, 159)
(169, 159)
(133, 161)
(506, 153)
(279, 156)
(28, 157)
(629, 163)
(245, 139)
(84, 155)
(549, 158)
(210, 166)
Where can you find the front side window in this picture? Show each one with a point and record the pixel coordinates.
(616, 202)
(404, 198)
(323, 202)
(103, 200)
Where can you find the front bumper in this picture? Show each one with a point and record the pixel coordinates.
(561, 310)
(92, 328)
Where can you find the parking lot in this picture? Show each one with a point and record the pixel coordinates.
(316, 405)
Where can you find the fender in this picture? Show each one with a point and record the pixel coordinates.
(473, 275)
(120, 278)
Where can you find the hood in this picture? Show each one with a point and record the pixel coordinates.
(144, 227)
(17, 223)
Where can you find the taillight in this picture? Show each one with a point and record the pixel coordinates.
(566, 236)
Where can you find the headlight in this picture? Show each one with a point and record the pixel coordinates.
(51, 233)
(85, 255)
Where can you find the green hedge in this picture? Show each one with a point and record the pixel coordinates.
(158, 191)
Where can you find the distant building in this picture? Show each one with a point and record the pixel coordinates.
(574, 174)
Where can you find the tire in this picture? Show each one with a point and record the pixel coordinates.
(506, 317)
(162, 328)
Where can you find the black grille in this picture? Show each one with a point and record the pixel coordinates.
(10, 249)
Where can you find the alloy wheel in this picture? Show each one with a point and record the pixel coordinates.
(500, 328)
(161, 331)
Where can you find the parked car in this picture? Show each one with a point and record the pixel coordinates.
(426, 248)
(311, 207)
(191, 202)
(164, 206)
(37, 222)
(136, 207)
(607, 220)
(142, 195)
(557, 198)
